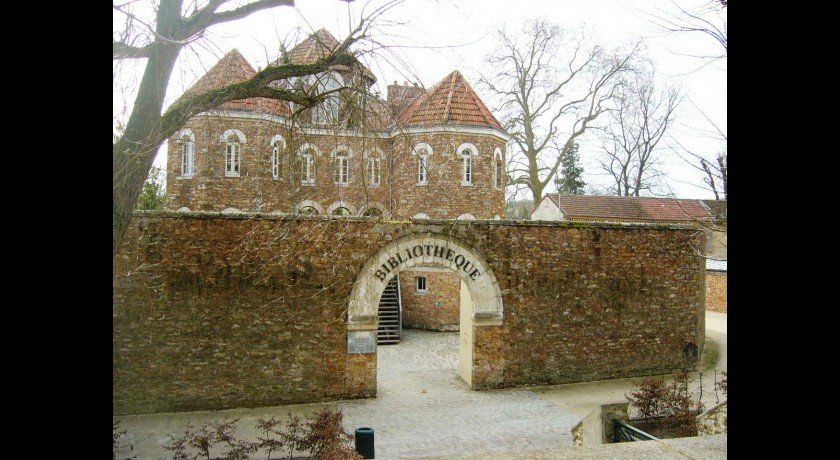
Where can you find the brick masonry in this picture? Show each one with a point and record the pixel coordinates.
(716, 291)
(215, 311)
(437, 309)
(398, 194)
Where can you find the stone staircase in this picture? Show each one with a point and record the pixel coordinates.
(390, 322)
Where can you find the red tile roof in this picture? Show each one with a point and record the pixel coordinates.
(314, 47)
(234, 68)
(626, 208)
(451, 101)
(319, 45)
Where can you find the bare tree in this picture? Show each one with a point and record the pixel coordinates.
(707, 18)
(551, 85)
(159, 41)
(716, 174)
(713, 168)
(631, 138)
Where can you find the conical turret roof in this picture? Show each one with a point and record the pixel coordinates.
(234, 68)
(452, 101)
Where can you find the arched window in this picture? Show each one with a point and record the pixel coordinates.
(466, 152)
(308, 154)
(498, 170)
(327, 113)
(373, 212)
(341, 208)
(187, 141)
(341, 157)
(466, 170)
(278, 144)
(373, 168)
(423, 152)
(232, 156)
(374, 209)
(233, 139)
(309, 207)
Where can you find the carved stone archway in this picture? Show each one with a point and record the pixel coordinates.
(435, 251)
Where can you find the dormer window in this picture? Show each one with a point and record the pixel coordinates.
(327, 112)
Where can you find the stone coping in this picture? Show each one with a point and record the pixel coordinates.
(490, 222)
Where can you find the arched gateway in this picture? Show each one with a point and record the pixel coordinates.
(485, 308)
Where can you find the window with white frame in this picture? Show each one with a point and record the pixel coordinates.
(421, 284)
(466, 151)
(373, 168)
(422, 169)
(498, 169)
(232, 156)
(374, 171)
(277, 146)
(187, 141)
(307, 165)
(342, 168)
(423, 152)
(466, 169)
(327, 112)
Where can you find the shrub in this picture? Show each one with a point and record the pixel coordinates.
(666, 410)
(322, 436)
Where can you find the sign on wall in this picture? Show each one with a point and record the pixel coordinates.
(361, 342)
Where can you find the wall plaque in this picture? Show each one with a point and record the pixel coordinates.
(361, 342)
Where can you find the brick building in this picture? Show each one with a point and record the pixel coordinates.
(421, 153)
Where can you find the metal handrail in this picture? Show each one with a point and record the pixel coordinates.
(399, 303)
(627, 433)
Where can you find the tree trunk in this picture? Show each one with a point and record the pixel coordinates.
(134, 153)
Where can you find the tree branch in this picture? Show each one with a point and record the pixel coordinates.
(123, 50)
(208, 16)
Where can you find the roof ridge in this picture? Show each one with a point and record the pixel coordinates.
(447, 111)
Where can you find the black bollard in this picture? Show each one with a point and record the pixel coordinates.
(364, 442)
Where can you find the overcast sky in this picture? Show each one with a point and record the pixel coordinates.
(435, 37)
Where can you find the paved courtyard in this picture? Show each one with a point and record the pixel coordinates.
(423, 408)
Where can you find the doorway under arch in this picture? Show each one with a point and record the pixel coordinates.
(481, 300)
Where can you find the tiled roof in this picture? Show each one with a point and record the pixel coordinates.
(451, 101)
(316, 46)
(634, 209)
(234, 68)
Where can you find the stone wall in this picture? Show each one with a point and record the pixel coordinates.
(716, 291)
(437, 309)
(215, 311)
(599, 427)
(713, 421)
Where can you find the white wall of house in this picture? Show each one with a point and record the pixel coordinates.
(547, 210)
